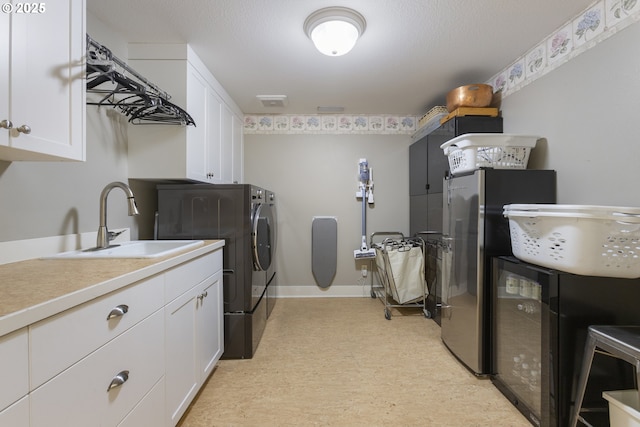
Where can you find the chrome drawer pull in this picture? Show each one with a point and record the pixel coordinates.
(6, 124)
(118, 380)
(118, 311)
(202, 296)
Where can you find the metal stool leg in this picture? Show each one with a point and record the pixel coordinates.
(589, 351)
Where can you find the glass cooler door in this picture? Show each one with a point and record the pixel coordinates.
(518, 334)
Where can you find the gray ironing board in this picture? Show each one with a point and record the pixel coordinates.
(324, 249)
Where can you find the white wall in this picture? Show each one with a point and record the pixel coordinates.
(588, 111)
(316, 175)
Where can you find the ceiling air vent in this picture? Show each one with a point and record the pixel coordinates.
(273, 100)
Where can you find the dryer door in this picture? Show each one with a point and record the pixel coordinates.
(263, 237)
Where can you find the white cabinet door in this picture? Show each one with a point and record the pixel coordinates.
(194, 343)
(46, 80)
(197, 98)
(209, 326)
(237, 149)
(182, 373)
(226, 155)
(214, 148)
(4, 81)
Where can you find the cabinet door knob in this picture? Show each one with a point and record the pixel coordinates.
(24, 129)
(202, 296)
(118, 380)
(6, 124)
(118, 311)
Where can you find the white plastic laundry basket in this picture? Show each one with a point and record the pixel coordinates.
(472, 151)
(592, 244)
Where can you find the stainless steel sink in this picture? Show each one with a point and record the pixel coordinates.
(133, 249)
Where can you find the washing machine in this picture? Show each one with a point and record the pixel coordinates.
(239, 214)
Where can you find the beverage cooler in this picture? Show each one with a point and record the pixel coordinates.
(540, 319)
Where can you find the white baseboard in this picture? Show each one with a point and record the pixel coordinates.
(348, 291)
(20, 250)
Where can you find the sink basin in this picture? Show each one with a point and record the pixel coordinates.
(133, 249)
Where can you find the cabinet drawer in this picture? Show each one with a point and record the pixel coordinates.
(148, 412)
(16, 415)
(80, 397)
(61, 340)
(186, 276)
(14, 369)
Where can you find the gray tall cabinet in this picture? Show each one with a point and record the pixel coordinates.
(427, 168)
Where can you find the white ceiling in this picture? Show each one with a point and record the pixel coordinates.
(411, 54)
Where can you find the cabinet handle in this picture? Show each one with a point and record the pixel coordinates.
(202, 296)
(6, 124)
(118, 380)
(118, 311)
(24, 129)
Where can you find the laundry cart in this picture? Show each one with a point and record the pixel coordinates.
(400, 266)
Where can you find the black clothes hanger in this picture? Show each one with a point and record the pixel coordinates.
(128, 91)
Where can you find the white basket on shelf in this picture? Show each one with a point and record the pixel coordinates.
(622, 211)
(603, 241)
(472, 151)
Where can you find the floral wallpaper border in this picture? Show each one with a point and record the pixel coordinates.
(329, 123)
(599, 21)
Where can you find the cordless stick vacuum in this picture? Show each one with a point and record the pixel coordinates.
(366, 194)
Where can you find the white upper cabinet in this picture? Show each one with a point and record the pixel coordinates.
(204, 152)
(42, 112)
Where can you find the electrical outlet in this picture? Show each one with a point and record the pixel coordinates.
(363, 270)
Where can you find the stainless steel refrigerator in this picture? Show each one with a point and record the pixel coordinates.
(474, 230)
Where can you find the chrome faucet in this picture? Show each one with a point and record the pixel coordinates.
(104, 235)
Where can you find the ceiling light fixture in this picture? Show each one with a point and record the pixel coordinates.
(334, 30)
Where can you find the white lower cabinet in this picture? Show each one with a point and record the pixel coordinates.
(194, 328)
(135, 357)
(104, 387)
(16, 415)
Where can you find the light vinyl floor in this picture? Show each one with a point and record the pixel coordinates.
(339, 362)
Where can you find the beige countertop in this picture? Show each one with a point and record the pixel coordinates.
(35, 289)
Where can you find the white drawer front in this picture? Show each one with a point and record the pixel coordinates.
(14, 367)
(149, 411)
(61, 340)
(79, 396)
(16, 415)
(184, 277)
